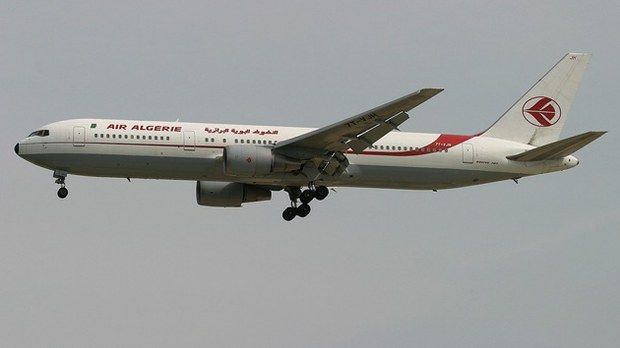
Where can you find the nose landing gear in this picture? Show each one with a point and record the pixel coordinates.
(60, 177)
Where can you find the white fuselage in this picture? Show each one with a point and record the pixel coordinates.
(194, 151)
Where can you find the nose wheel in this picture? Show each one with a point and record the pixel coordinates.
(300, 199)
(62, 192)
(60, 177)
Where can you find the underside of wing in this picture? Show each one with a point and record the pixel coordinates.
(357, 132)
(324, 147)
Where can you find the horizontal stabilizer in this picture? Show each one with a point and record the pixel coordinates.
(558, 149)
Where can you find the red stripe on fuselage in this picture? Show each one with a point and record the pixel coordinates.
(442, 143)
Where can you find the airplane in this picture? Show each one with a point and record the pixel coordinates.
(234, 164)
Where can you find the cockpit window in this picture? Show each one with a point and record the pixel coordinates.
(40, 133)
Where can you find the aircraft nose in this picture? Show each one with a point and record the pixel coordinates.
(17, 149)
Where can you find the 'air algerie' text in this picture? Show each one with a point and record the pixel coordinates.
(141, 127)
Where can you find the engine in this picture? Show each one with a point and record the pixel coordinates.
(229, 194)
(249, 161)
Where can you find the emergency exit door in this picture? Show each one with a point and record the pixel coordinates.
(79, 136)
(468, 153)
(189, 141)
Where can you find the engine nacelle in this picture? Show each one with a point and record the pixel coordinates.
(228, 194)
(250, 160)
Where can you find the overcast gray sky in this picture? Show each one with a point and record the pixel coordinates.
(140, 264)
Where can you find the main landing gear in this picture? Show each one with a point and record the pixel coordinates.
(60, 177)
(304, 197)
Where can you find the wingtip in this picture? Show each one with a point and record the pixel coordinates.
(431, 90)
(597, 133)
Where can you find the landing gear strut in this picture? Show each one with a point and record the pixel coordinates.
(60, 177)
(297, 195)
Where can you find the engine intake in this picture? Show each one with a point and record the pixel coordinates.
(250, 160)
(229, 194)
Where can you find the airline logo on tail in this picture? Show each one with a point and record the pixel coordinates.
(542, 111)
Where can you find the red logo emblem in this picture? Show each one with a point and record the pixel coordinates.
(542, 111)
(249, 159)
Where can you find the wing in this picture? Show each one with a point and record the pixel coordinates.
(327, 144)
(359, 131)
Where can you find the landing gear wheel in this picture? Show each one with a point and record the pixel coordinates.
(303, 210)
(289, 213)
(307, 196)
(62, 192)
(321, 192)
(60, 177)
